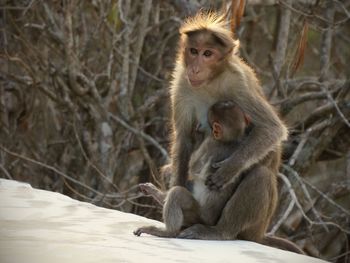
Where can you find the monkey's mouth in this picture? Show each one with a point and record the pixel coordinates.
(196, 83)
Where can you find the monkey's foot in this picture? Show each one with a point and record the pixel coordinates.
(148, 188)
(151, 190)
(200, 231)
(197, 231)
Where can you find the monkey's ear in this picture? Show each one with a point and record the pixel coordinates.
(217, 130)
(223, 39)
(247, 119)
(226, 41)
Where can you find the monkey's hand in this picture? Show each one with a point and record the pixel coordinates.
(139, 231)
(151, 230)
(221, 174)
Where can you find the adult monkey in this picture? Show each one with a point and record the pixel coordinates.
(208, 70)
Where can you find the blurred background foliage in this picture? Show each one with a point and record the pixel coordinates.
(84, 103)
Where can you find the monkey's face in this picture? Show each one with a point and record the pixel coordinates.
(201, 64)
(203, 58)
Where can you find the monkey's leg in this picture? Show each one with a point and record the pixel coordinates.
(151, 190)
(247, 213)
(180, 210)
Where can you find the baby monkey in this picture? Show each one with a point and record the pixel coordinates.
(198, 205)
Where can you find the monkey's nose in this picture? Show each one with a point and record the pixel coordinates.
(195, 70)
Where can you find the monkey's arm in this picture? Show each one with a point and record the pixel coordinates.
(268, 133)
(181, 155)
(182, 144)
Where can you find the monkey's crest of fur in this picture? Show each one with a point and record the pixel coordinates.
(213, 22)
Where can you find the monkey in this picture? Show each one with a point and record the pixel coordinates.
(208, 70)
(185, 207)
(203, 206)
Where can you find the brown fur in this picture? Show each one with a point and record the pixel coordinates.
(246, 210)
(236, 82)
(184, 208)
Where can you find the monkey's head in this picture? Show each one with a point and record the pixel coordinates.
(227, 121)
(206, 42)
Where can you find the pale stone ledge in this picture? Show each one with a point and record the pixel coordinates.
(40, 226)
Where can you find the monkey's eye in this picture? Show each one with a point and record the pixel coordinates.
(207, 53)
(193, 51)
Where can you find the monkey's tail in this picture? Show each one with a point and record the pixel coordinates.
(281, 243)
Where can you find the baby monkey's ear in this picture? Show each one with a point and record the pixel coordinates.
(247, 119)
(217, 130)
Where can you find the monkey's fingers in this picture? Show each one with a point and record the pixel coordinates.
(212, 185)
(138, 232)
(217, 165)
(187, 234)
(147, 188)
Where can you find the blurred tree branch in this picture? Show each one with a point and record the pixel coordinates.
(84, 102)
